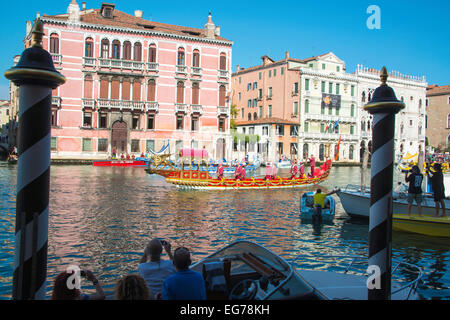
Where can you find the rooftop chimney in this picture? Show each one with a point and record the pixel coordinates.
(138, 13)
(287, 55)
(210, 28)
(29, 26)
(74, 12)
(238, 67)
(217, 31)
(83, 5)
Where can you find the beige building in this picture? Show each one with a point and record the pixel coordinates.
(438, 116)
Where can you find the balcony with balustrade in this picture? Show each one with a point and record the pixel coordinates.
(121, 64)
(321, 136)
(121, 104)
(223, 111)
(56, 101)
(87, 103)
(89, 62)
(151, 106)
(223, 74)
(57, 59)
(327, 118)
(152, 67)
(181, 108)
(195, 71)
(196, 108)
(181, 69)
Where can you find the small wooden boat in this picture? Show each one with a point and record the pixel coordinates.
(307, 207)
(119, 163)
(426, 225)
(245, 270)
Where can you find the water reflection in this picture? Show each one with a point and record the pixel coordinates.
(101, 219)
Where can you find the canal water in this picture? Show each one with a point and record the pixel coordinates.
(101, 219)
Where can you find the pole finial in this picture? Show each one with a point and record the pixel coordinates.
(38, 33)
(383, 76)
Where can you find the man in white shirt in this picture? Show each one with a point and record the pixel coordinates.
(154, 269)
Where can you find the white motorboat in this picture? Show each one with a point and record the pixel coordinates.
(356, 202)
(245, 270)
(284, 164)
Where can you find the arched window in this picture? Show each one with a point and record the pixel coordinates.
(195, 93)
(196, 59)
(249, 116)
(350, 152)
(448, 121)
(255, 116)
(105, 49)
(363, 96)
(104, 88)
(115, 88)
(180, 57)
(152, 53)
(223, 61)
(352, 110)
(137, 51)
(115, 54)
(321, 152)
(126, 50)
(420, 104)
(54, 43)
(89, 48)
(126, 89)
(180, 92)
(222, 92)
(137, 90)
(151, 92)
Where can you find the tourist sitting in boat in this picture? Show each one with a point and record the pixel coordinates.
(220, 172)
(294, 170)
(61, 290)
(185, 284)
(152, 268)
(319, 203)
(132, 287)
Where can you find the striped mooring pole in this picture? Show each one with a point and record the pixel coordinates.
(35, 75)
(383, 106)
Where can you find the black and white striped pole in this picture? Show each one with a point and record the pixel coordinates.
(35, 75)
(383, 106)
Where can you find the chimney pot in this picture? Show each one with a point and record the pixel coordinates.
(138, 13)
(287, 54)
(83, 5)
(238, 67)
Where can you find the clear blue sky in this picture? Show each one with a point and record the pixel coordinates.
(413, 39)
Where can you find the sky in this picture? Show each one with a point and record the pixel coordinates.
(412, 37)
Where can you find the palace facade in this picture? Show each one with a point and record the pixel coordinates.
(134, 84)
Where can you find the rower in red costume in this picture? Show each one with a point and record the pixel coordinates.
(220, 172)
(294, 170)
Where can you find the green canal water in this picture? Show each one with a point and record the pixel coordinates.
(102, 218)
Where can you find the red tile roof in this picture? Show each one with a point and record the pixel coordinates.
(124, 20)
(272, 120)
(434, 90)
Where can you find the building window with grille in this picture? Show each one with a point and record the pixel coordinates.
(87, 144)
(306, 85)
(337, 88)
(196, 59)
(135, 124)
(180, 57)
(222, 93)
(135, 146)
(151, 121)
(352, 110)
(180, 122)
(223, 61)
(270, 110)
(87, 119)
(54, 43)
(353, 91)
(196, 92)
(149, 145)
(221, 124)
(103, 120)
(152, 53)
(294, 131)
(105, 49)
(127, 50)
(89, 48)
(194, 123)
(180, 92)
(102, 145)
(115, 50)
(330, 87)
(279, 129)
(323, 86)
(53, 144)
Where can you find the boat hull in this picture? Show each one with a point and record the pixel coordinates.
(357, 204)
(429, 226)
(307, 207)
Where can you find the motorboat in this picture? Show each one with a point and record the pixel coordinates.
(307, 207)
(283, 164)
(245, 270)
(356, 202)
(429, 226)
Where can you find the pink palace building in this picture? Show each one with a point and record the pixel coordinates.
(134, 84)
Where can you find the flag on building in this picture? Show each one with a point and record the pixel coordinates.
(336, 124)
(336, 156)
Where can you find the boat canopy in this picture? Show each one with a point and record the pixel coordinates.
(194, 153)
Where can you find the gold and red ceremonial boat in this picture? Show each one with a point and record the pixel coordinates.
(194, 179)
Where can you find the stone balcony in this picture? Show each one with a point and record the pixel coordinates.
(195, 71)
(151, 106)
(223, 111)
(121, 64)
(181, 107)
(88, 103)
(328, 136)
(152, 66)
(56, 101)
(328, 118)
(121, 104)
(223, 74)
(57, 58)
(181, 69)
(196, 108)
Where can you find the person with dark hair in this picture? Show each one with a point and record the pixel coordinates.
(132, 287)
(319, 202)
(185, 284)
(64, 287)
(154, 269)
(437, 183)
(415, 189)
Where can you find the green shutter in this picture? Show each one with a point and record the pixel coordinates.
(323, 86)
(337, 88)
(53, 145)
(353, 91)
(306, 126)
(306, 84)
(306, 106)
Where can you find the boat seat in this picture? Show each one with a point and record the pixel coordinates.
(309, 201)
(217, 279)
